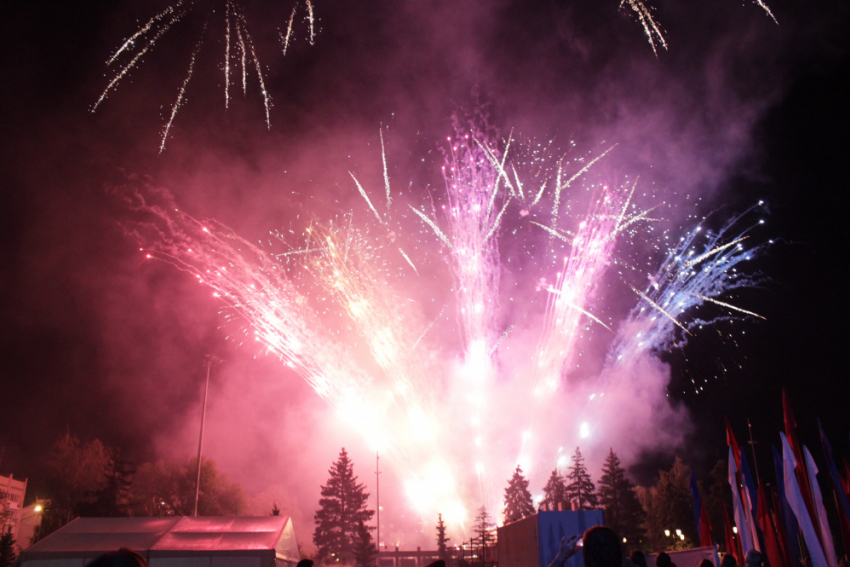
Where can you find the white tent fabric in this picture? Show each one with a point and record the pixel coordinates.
(267, 541)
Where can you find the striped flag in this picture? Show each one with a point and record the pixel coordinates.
(817, 500)
(798, 505)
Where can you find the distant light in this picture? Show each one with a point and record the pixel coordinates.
(38, 508)
(735, 529)
(667, 533)
(584, 430)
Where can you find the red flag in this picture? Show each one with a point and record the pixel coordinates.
(790, 426)
(845, 478)
(800, 470)
(732, 442)
(705, 528)
(731, 546)
(771, 543)
(844, 526)
(780, 533)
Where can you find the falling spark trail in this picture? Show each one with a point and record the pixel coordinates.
(767, 9)
(266, 97)
(571, 305)
(552, 231)
(428, 328)
(366, 197)
(227, 17)
(559, 188)
(648, 23)
(285, 39)
(712, 252)
(243, 55)
(433, 226)
(497, 222)
(501, 339)
(539, 194)
(135, 59)
(518, 184)
(409, 261)
(386, 175)
(311, 21)
(659, 308)
(730, 306)
(181, 93)
(636, 218)
(143, 30)
(237, 37)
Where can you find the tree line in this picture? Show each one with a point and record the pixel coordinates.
(658, 517)
(90, 479)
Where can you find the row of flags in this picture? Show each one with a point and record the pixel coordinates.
(777, 521)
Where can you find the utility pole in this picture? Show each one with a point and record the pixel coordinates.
(753, 446)
(378, 499)
(210, 360)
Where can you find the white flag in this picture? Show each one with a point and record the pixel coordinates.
(744, 533)
(798, 506)
(828, 545)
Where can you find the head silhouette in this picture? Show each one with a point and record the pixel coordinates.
(122, 558)
(601, 548)
(638, 558)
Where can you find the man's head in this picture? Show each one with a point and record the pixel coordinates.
(663, 560)
(752, 558)
(601, 548)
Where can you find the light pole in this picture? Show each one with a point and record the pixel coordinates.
(209, 360)
(378, 499)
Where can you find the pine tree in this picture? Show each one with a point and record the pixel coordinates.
(518, 503)
(7, 550)
(342, 510)
(580, 490)
(623, 512)
(555, 492)
(365, 552)
(442, 540)
(113, 497)
(482, 528)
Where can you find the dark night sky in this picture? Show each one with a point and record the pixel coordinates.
(98, 341)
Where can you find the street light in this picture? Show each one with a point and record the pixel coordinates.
(667, 533)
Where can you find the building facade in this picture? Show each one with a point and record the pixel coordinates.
(12, 492)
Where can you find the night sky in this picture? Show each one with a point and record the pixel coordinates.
(101, 342)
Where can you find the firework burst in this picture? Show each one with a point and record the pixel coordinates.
(454, 408)
(240, 54)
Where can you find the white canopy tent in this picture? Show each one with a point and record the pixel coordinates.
(267, 541)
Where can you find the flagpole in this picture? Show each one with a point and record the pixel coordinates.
(753, 447)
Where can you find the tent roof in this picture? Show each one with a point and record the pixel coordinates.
(225, 533)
